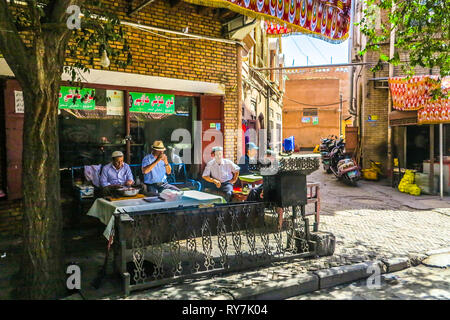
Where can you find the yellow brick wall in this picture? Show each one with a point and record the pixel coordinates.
(199, 60)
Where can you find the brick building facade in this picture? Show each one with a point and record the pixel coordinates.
(315, 93)
(371, 97)
(201, 64)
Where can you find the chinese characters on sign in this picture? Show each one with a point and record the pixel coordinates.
(76, 98)
(152, 102)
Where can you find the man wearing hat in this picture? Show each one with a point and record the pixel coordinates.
(221, 173)
(155, 168)
(248, 162)
(116, 173)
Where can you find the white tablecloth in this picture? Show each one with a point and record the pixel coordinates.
(104, 210)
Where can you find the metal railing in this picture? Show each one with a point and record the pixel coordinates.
(154, 248)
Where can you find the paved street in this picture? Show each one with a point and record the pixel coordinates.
(419, 282)
(371, 222)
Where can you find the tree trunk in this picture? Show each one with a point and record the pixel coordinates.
(42, 262)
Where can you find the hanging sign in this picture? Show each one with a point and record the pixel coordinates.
(76, 98)
(18, 102)
(315, 120)
(326, 19)
(152, 102)
(114, 103)
(306, 119)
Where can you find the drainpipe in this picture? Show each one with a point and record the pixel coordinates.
(350, 46)
(239, 101)
(441, 160)
(269, 132)
(391, 74)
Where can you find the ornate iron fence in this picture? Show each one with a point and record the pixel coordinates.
(158, 247)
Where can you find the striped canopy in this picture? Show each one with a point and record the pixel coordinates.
(325, 19)
(415, 94)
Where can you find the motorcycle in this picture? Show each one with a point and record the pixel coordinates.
(326, 145)
(344, 167)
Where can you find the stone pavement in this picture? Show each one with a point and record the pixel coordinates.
(419, 282)
(371, 222)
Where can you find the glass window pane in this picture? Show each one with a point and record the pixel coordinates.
(148, 127)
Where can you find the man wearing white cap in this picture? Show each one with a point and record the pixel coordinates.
(155, 168)
(221, 173)
(116, 173)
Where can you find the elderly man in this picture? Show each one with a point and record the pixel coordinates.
(155, 168)
(221, 173)
(248, 162)
(116, 173)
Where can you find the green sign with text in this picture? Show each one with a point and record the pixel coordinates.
(152, 102)
(76, 98)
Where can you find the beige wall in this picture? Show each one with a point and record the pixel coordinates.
(319, 86)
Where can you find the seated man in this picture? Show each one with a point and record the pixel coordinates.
(247, 162)
(155, 168)
(221, 173)
(115, 174)
(256, 194)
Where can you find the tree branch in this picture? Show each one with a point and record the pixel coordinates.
(12, 46)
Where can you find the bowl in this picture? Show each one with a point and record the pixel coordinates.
(128, 192)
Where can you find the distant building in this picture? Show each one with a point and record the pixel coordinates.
(312, 107)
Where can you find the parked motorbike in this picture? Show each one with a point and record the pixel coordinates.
(342, 165)
(326, 146)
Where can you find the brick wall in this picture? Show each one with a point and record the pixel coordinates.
(153, 55)
(315, 86)
(375, 103)
(10, 218)
(199, 60)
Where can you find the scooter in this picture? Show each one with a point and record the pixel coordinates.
(326, 145)
(344, 167)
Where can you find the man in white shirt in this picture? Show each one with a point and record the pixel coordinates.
(221, 173)
(115, 174)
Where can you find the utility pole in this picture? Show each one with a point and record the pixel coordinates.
(441, 160)
(340, 115)
(391, 74)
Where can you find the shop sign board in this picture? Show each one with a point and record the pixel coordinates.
(114, 103)
(18, 102)
(152, 102)
(372, 118)
(306, 119)
(76, 98)
(315, 120)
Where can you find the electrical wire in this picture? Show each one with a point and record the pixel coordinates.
(314, 46)
(301, 51)
(313, 105)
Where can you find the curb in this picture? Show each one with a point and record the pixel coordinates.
(317, 280)
(339, 275)
(437, 251)
(396, 264)
(279, 290)
(309, 282)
